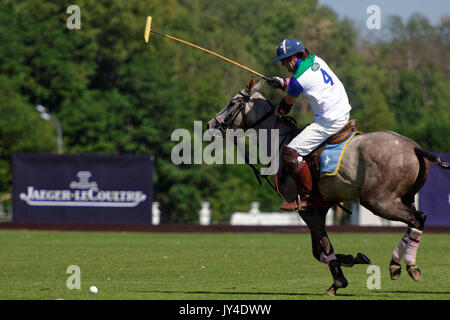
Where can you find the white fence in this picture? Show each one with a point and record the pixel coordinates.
(254, 217)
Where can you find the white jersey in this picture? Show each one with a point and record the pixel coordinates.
(323, 89)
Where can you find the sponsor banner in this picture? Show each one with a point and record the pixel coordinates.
(434, 197)
(82, 188)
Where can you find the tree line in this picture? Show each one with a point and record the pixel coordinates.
(114, 94)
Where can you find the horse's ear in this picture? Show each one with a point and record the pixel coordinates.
(250, 85)
(258, 86)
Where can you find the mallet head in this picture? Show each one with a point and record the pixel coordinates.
(148, 26)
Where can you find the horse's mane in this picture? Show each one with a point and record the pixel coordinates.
(289, 120)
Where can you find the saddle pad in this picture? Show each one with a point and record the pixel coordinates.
(330, 159)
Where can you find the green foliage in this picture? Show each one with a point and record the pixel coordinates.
(113, 93)
(21, 130)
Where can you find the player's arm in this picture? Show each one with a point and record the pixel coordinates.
(285, 105)
(294, 89)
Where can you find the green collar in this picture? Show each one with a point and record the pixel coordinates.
(303, 65)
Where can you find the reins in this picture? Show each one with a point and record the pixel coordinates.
(242, 100)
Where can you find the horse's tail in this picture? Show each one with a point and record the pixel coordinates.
(431, 157)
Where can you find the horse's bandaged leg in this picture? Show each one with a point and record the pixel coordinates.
(399, 250)
(412, 246)
(327, 259)
(346, 260)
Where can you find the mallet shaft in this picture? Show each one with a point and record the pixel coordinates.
(147, 35)
(213, 53)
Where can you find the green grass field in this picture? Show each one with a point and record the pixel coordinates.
(229, 266)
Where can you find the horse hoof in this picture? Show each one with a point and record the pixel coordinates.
(395, 269)
(330, 292)
(414, 272)
(361, 258)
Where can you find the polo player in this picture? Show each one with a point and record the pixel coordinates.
(313, 78)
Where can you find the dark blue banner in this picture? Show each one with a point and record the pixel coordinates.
(82, 188)
(434, 197)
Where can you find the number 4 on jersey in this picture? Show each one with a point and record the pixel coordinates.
(326, 77)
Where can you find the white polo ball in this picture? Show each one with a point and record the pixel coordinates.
(93, 289)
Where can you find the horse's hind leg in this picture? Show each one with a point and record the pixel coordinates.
(401, 210)
(395, 267)
(407, 247)
(394, 209)
(412, 243)
(399, 251)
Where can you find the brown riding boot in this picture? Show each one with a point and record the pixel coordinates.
(302, 177)
(303, 181)
(304, 184)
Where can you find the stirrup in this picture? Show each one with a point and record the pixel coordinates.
(292, 206)
(306, 205)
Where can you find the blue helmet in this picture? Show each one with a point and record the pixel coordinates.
(287, 48)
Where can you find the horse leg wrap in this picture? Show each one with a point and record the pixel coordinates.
(338, 276)
(346, 260)
(412, 246)
(327, 259)
(399, 250)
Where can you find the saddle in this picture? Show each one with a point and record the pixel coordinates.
(342, 134)
(313, 159)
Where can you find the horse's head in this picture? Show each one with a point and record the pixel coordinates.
(241, 111)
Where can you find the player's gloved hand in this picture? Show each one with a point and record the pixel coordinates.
(283, 108)
(277, 83)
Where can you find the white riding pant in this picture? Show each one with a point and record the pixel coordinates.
(316, 133)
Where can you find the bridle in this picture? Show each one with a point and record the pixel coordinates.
(241, 102)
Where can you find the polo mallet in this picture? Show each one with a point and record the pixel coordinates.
(148, 29)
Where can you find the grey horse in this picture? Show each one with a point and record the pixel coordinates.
(383, 169)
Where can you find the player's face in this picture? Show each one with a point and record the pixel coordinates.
(289, 63)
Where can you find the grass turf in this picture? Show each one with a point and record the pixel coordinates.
(229, 266)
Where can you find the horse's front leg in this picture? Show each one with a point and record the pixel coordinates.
(348, 260)
(328, 257)
(323, 250)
